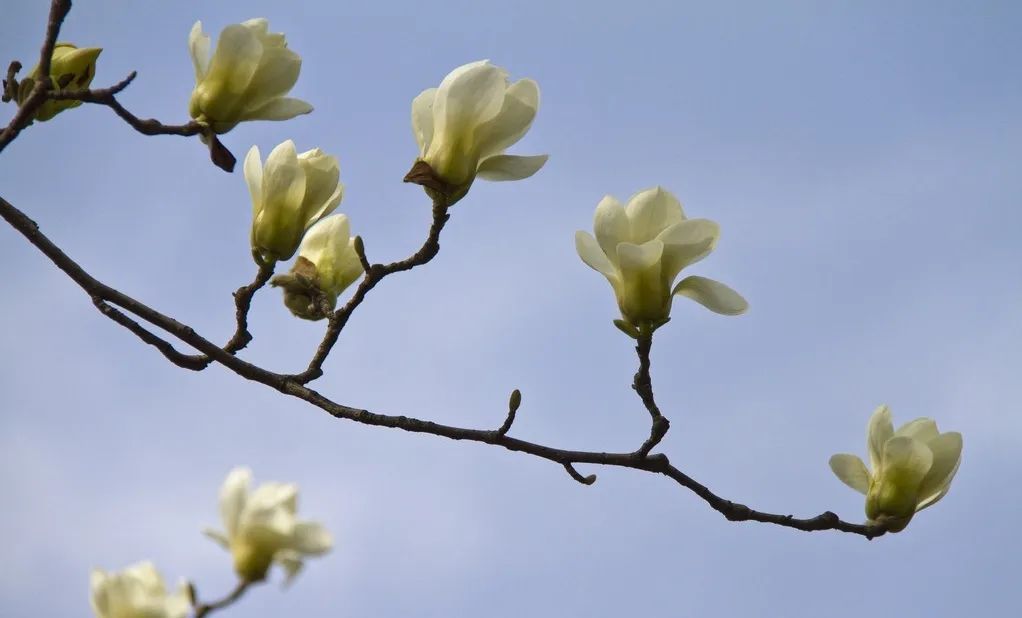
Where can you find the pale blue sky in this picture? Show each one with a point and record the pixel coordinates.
(863, 160)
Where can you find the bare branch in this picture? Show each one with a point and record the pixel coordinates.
(585, 480)
(643, 385)
(181, 360)
(204, 609)
(242, 304)
(657, 463)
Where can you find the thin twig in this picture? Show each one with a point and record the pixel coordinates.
(643, 385)
(204, 609)
(242, 304)
(169, 351)
(657, 463)
(373, 275)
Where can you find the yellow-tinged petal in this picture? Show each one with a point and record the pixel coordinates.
(713, 295)
(592, 254)
(879, 430)
(422, 119)
(610, 224)
(510, 167)
(851, 471)
(947, 455)
(651, 212)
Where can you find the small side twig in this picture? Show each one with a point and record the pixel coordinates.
(242, 304)
(169, 351)
(512, 408)
(585, 480)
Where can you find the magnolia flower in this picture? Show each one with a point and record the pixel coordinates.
(136, 592)
(247, 78)
(260, 527)
(464, 126)
(640, 248)
(911, 468)
(327, 264)
(290, 193)
(71, 68)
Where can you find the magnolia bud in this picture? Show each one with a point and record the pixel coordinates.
(71, 68)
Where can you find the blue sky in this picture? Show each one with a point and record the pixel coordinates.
(862, 160)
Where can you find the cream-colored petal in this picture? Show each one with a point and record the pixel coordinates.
(851, 471)
(311, 539)
(521, 101)
(879, 430)
(282, 108)
(713, 295)
(651, 212)
(510, 167)
(291, 562)
(469, 96)
(283, 180)
(233, 496)
(592, 254)
(685, 243)
(146, 578)
(219, 537)
(98, 597)
(905, 462)
(610, 225)
(198, 47)
(922, 429)
(947, 455)
(634, 259)
(422, 119)
(253, 168)
(277, 73)
(325, 237)
(178, 604)
(322, 187)
(272, 495)
(235, 60)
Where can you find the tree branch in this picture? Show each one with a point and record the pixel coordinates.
(204, 609)
(643, 385)
(656, 463)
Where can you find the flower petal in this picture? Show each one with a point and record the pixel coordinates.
(235, 60)
(198, 47)
(327, 236)
(947, 455)
(99, 598)
(634, 259)
(905, 463)
(278, 71)
(253, 168)
(922, 429)
(521, 101)
(283, 108)
(219, 537)
(610, 224)
(879, 430)
(851, 471)
(233, 496)
(510, 167)
(685, 243)
(283, 180)
(592, 254)
(713, 295)
(651, 212)
(311, 539)
(422, 119)
(291, 562)
(469, 96)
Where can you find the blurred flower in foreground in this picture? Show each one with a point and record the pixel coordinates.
(71, 68)
(640, 248)
(911, 468)
(247, 77)
(290, 193)
(464, 126)
(136, 592)
(260, 527)
(327, 264)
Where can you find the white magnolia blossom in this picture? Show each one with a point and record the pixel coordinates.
(247, 77)
(136, 592)
(464, 126)
(67, 60)
(261, 527)
(640, 248)
(910, 469)
(289, 194)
